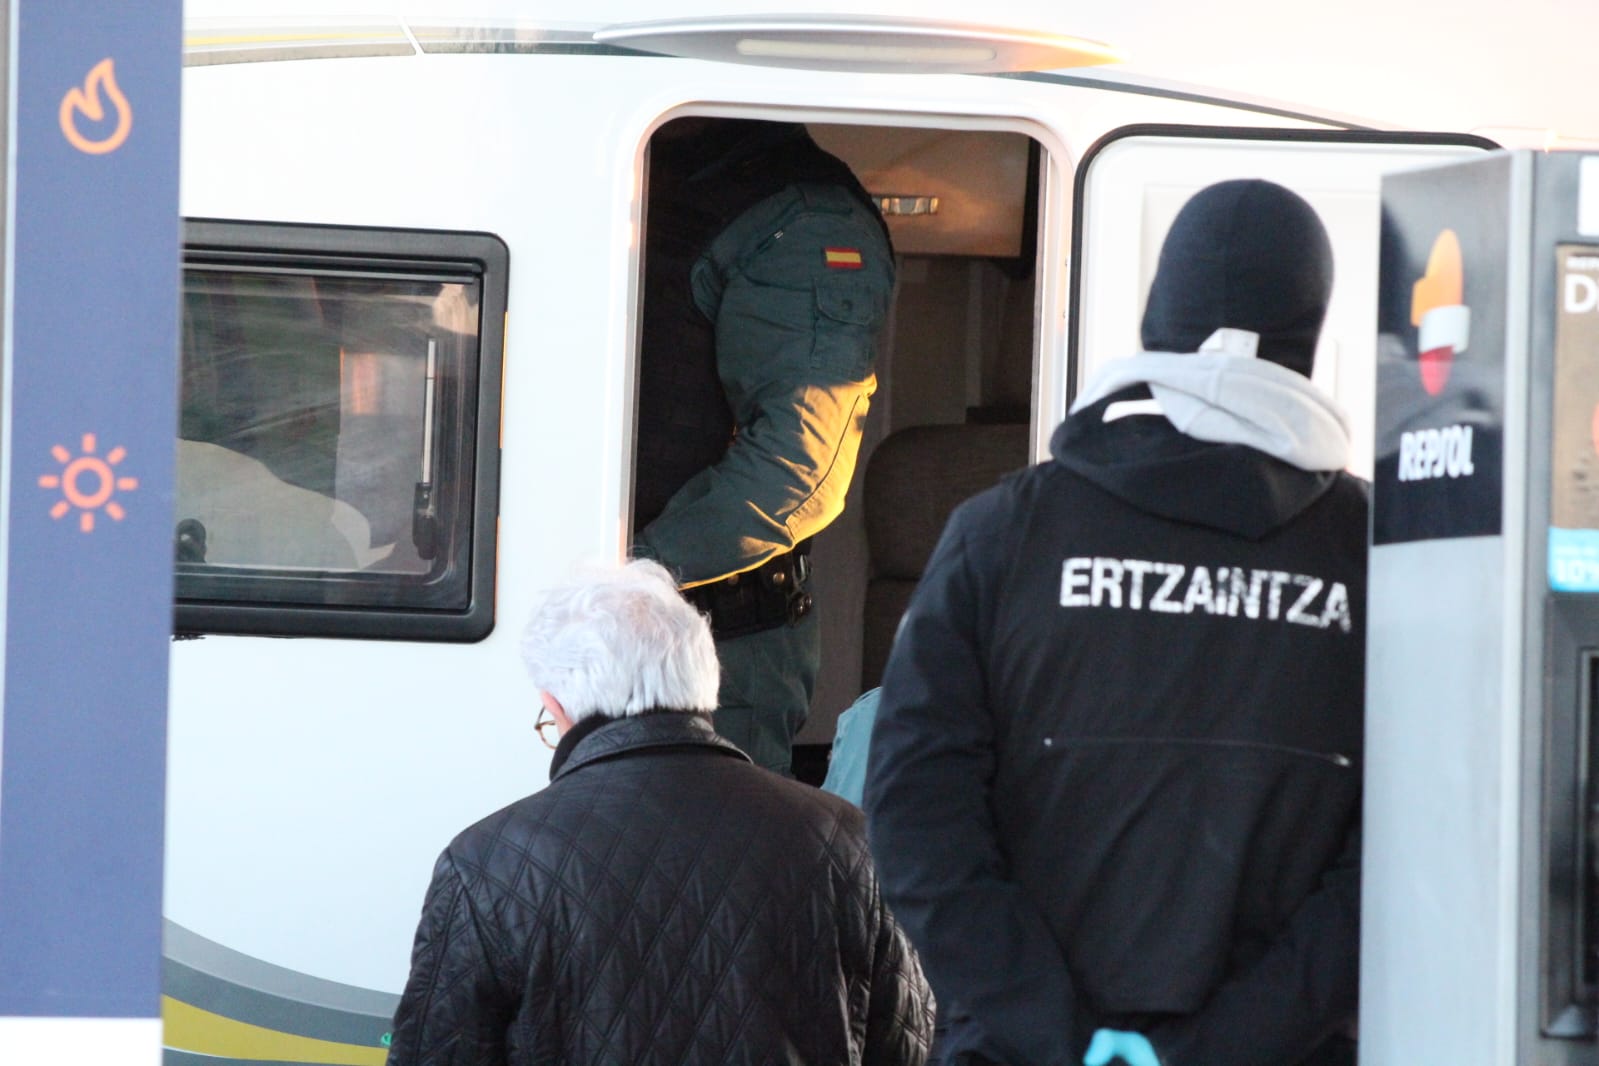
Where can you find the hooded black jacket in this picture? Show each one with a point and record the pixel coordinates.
(662, 901)
(1114, 779)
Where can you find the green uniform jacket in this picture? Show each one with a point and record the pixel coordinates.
(798, 288)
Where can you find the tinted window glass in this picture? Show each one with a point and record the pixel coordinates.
(329, 440)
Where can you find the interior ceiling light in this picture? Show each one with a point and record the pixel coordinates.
(858, 44)
(901, 204)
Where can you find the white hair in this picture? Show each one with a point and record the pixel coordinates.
(621, 642)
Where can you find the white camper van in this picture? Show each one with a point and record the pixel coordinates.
(412, 278)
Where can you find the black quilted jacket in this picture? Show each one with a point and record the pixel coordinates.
(662, 901)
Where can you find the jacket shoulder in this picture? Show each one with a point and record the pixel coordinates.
(1348, 501)
(510, 823)
(1351, 490)
(991, 514)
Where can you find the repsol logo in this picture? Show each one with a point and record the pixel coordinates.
(1227, 591)
(1425, 454)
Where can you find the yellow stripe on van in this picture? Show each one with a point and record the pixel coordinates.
(189, 1028)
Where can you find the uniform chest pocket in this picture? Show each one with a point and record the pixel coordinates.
(849, 312)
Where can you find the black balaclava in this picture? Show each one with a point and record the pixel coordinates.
(1244, 254)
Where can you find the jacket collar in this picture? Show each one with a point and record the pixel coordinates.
(613, 737)
(1149, 464)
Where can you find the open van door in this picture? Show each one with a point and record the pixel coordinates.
(1132, 182)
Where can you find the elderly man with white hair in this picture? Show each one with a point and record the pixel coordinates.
(663, 900)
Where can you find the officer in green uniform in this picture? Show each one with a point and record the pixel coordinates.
(768, 275)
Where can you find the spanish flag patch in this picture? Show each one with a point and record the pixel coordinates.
(843, 258)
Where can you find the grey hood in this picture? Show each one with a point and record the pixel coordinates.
(1213, 438)
(1224, 395)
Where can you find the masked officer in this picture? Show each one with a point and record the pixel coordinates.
(1113, 789)
(767, 278)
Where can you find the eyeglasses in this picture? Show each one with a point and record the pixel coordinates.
(549, 732)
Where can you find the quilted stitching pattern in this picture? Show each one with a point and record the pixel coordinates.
(661, 903)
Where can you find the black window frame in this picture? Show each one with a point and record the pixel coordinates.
(219, 604)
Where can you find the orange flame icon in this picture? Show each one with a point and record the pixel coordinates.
(90, 102)
(1437, 307)
(102, 483)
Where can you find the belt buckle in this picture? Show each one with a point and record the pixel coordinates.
(799, 605)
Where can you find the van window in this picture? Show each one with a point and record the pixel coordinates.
(337, 451)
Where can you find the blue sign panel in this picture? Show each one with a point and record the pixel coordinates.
(91, 406)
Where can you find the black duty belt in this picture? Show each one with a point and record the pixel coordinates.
(776, 593)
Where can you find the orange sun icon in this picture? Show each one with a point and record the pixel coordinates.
(87, 482)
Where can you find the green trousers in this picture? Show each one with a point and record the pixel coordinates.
(767, 680)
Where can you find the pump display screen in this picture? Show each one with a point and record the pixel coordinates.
(1574, 449)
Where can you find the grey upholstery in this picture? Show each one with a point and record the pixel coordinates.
(914, 479)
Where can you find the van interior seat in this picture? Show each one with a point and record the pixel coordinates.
(913, 480)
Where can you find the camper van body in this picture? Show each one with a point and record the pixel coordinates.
(317, 766)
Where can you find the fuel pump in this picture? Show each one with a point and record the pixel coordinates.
(1480, 926)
